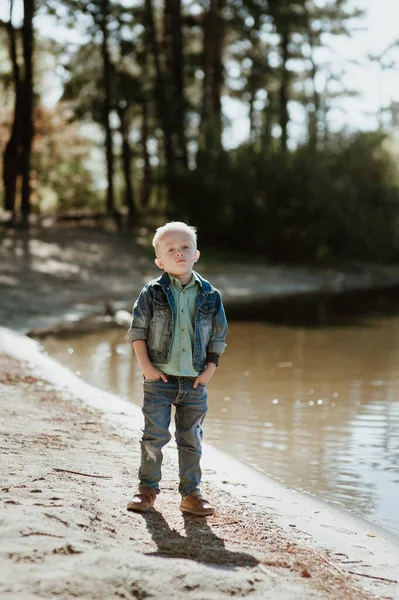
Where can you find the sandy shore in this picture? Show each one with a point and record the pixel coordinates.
(68, 535)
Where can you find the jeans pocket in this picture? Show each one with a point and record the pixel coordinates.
(152, 380)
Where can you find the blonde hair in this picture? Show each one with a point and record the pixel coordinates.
(174, 226)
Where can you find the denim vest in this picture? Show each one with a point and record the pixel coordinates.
(154, 313)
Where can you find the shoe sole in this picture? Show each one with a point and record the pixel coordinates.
(138, 508)
(196, 513)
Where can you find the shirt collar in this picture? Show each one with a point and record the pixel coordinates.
(175, 281)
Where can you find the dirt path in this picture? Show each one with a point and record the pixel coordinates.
(66, 535)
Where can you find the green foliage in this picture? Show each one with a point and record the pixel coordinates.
(340, 202)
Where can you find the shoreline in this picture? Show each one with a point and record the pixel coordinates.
(106, 312)
(307, 520)
(59, 276)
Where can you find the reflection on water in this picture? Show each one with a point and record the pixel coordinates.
(316, 408)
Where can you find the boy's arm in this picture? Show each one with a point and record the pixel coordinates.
(141, 316)
(205, 376)
(138, 334)
(216, 345)
(149, 371)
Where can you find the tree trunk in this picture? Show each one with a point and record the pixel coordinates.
(314, 113)
(10, 172)
(147, 175)
(27, 110)
(175, 197)
(269, 112)
(211, 114)
(218, 72)
(127, 166)
(284, 116)
(107, 106)
(174, 80)
(11, 162)
(251, 114)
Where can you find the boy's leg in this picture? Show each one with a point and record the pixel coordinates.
(191, 408)
(158, 399)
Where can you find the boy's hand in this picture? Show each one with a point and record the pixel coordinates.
(206, 375)
(154, 373)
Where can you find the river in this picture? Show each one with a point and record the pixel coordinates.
(307, 392)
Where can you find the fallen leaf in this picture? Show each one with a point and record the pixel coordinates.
(305, 573)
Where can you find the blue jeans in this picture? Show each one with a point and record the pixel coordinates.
(191, 407)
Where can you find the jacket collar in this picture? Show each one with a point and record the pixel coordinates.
(164, 281)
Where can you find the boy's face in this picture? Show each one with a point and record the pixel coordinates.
(176, 254)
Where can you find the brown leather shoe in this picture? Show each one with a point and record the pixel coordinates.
(195, 504)
(143, 500)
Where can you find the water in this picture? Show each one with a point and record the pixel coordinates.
(308, 395)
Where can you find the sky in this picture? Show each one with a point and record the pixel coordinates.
(376, 88)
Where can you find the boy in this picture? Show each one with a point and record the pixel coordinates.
(178, 332)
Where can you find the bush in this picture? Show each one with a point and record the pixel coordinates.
(340, 202)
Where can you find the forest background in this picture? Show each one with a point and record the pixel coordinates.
(137, 130)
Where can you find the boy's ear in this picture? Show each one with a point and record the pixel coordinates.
(197, 254)
(158, 262)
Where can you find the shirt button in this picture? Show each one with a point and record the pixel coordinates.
(183, 350)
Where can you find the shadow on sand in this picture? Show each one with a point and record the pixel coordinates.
(199, 543)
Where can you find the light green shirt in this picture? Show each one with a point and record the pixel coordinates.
(181, 354)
